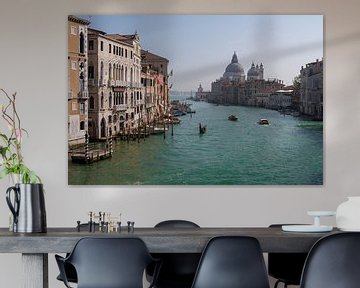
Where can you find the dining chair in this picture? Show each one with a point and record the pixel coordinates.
(231, 262)
(178, 269)
(333, 262)
(108, 263)
(69, 269)
(286, 267)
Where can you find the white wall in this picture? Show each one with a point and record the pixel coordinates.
(33, 59)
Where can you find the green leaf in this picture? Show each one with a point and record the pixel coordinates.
(4, 137)
(26, 132)
(3, 151)
(3, 173)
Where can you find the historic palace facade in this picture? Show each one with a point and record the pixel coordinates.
(77, 81)
(115, 87)
(311, 89)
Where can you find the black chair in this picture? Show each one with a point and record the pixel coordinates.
(178, 269)
(69, 269)
(232, 262)
(333, 262)
(108, 263)
(286, 267)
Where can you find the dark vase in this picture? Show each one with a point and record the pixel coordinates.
(27, 204)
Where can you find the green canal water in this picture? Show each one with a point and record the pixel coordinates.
(287, 152)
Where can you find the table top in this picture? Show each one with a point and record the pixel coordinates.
(158, 240)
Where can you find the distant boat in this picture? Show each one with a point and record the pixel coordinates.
(263, 121)
(159, 130)
(202, 129)
(174, 120)
(233, 118)
(179, 113)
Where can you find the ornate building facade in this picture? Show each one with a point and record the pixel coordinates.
(158, 67)
(311, 89)
(116, 96)
(77, 81)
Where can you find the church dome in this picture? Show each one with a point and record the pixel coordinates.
(234, 69)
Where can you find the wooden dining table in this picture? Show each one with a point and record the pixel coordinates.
(35, 247)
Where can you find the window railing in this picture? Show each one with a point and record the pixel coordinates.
(83, 95)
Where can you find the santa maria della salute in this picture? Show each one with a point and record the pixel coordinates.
(235, 71)
(237, 89)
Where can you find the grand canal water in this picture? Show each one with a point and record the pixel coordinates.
(288, 152)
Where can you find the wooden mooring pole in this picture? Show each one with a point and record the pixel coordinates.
(87, 158)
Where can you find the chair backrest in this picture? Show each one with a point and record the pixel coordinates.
(333, 262)
(286, 267)
(232, 262)
(110, 262)
(176, 224)
(178, 269)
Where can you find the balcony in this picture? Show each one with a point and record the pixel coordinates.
(121, 107)
(92, 82)
(140, 102)
(83, 95)
(135, 85)
(102, 82)
(119, 83)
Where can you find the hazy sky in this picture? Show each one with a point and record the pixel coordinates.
(199, 47)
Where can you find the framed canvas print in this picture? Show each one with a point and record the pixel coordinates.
(195, 100)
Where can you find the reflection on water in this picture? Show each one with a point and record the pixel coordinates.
(287, 152)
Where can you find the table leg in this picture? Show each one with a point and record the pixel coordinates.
(35, 270)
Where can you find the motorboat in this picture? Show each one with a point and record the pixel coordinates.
(233, 118)
(263, 121)
(158, 130)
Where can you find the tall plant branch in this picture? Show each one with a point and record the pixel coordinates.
(12, 161)
(14, 123)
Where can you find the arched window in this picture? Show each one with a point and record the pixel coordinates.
(101, 73)
(110, 75)
(126, 75)
(114, 72)
(82, 43)
(110, 100)
(103, 128)
(121, 98)
(91, 74)
(82, 125)
(92, 103)
(102, 101)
